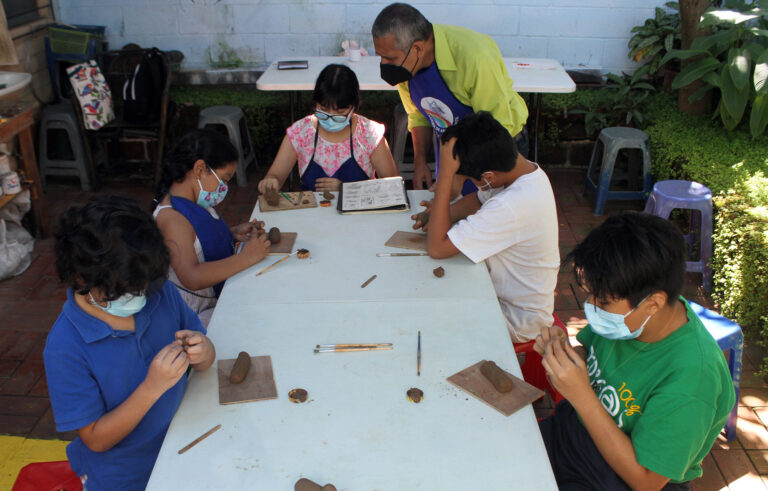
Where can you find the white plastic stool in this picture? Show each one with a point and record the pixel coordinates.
(72, 161)
(233, 120)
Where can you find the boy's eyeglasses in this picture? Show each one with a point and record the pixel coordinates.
(338, 118)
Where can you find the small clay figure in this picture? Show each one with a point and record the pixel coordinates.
(414, 395)
(439, 272)
(240, 368)
(325, 202)
(327, 195)
(297, 395)
(305, 202)
(274, 235)
(303, 253)
(272, 197)
(305, 484)
(496, 376)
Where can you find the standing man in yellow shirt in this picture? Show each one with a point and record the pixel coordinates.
(444, 73)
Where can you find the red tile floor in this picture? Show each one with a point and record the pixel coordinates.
(30, 303)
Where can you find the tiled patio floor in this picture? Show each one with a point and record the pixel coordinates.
(30, 303)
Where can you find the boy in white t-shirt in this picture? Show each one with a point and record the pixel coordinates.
(511, 223)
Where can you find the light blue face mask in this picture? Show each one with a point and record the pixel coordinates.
(125, 306)
(333, 122)
(206, 199)
(610, 325)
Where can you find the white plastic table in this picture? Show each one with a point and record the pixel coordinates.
(357, 430)
(534, 75)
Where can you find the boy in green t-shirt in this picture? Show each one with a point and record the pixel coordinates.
(649, 390)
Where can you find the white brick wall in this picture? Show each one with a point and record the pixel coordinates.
(587, 33)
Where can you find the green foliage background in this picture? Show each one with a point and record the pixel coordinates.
(735, 167)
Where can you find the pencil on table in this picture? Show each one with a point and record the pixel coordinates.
(200, 438)
(275, 264)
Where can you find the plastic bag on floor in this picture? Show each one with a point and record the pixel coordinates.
(14, 257)
(12, 213)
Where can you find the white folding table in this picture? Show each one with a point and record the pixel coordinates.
(357, 430)
(534, 75)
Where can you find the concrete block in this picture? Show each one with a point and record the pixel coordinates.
(257, 18)
(248, 48)
(318, 18)
(206, 19)
(158, 20)
(360, 17)
(111, 18)
(297, 45)
(523, 47)
(576, 51)
(579, 22)
(615, 56)
(488, 19)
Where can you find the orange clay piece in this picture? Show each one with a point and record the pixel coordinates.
(325, 202)
(303, 253)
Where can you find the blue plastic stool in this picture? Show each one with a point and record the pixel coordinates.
(669, 195)
(729, 338)
(613, 140)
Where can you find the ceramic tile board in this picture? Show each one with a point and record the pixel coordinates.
(408, 240)
(284, 204)
(259, 385)
(474, 382)
(287, 239)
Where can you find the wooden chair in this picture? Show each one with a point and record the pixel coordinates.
(120, 67)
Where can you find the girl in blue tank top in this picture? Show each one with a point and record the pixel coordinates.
(195, 177)
(334, 144)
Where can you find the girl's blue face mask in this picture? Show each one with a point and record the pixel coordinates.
(206, 199)
(610, 325)
(125, 306)
(332, 123)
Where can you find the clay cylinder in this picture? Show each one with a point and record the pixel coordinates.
(496, 376)
(240, 368)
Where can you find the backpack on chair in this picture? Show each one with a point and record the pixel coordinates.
(143, 92)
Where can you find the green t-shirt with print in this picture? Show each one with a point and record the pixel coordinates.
(672, 397)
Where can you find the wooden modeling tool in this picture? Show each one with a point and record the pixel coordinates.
(358, 345)
(200, 438)
(275, 264)
(290, 200)
(368, 281)
(400, 254)
(359, 348)
(418, 356)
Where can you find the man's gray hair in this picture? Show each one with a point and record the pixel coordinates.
(405, 22)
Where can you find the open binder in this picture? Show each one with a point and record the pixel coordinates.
(387, 195)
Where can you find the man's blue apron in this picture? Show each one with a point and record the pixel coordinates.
(214, 235)
(441, 108)
(349, 171)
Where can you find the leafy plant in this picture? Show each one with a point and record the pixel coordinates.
(734, 166)
(656, 37)
(621, 103)
(732, 60)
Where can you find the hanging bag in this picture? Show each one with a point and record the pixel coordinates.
(143, 91)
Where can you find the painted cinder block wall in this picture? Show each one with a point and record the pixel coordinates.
(586, 33)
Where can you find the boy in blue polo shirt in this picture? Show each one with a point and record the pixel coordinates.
(116, 357)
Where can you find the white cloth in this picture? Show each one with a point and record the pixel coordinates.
(516, 233)
(201, 301)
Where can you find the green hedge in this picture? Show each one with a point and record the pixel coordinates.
(735, 167)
